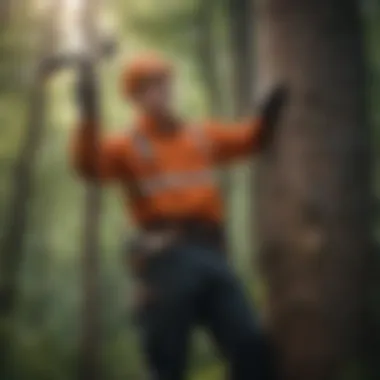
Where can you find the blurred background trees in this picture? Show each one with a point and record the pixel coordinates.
(213, 45)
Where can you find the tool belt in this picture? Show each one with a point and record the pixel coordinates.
(156, 238)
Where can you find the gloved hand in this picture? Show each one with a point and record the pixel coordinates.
(270, 112)
(87, 91)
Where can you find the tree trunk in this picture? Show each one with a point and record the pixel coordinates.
(314, 187)
(12, 244)
(207, 57)
(22, 182)
(13, 239)
(90, 350)
(17, 214)
(90, 345)
(240, 20)
(371, 14)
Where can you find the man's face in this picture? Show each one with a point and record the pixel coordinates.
(156, 97)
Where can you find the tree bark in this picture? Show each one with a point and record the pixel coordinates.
(314, 187)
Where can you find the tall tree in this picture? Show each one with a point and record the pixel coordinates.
(240, 15)
(240, 26)
(89, 361)
(371, 15)
(17, 214)
(23, 174)
(208, 62)
(314, 187)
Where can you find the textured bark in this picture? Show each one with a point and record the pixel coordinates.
(314, 187)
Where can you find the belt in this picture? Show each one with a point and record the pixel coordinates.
(191, 230)
(154, 239)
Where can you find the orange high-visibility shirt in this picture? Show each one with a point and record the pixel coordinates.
(177, 181)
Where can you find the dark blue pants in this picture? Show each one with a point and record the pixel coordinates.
(193, 285)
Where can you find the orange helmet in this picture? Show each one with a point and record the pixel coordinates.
(143, 69)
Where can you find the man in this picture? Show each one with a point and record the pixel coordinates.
(165, 169)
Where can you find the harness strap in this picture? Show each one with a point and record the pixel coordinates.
(198, 135)
(158, 182)
(143, 146)
(145, 149)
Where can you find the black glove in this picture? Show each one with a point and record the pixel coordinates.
(270, 113)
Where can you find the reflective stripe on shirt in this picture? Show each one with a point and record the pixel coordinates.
(180, 180)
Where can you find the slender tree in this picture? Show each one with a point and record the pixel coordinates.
(208, 63)
(17, 214)
(240, 15)
(89, 361)
(371, 17)
(314, 187)
(23, 175)
(240, 27)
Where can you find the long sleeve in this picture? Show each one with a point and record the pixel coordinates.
(234, 141)
(100, 158)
